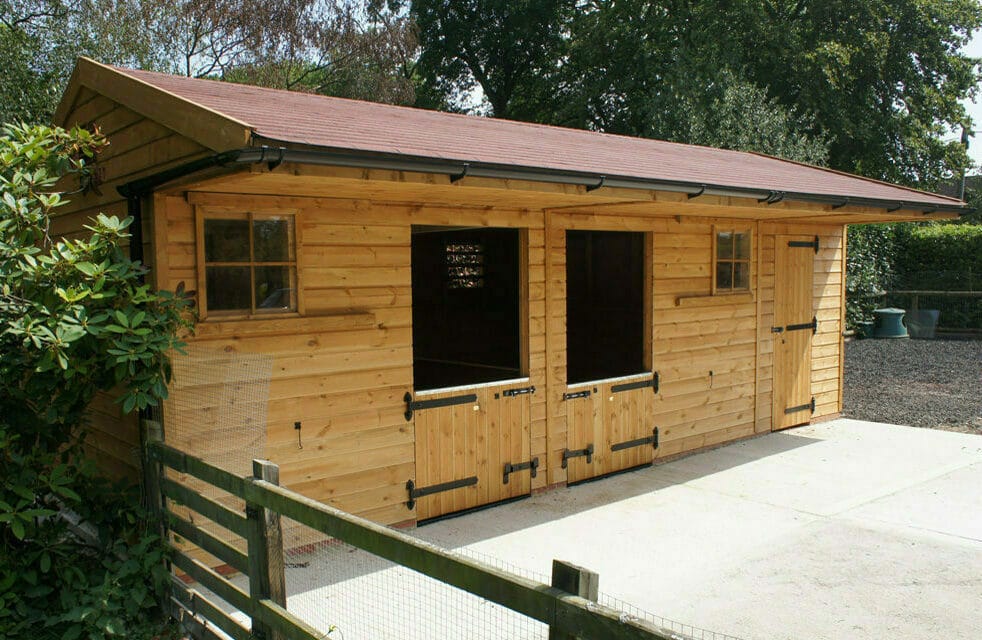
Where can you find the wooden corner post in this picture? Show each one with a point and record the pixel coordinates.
(267, 574)
(151, 433)
(576, 581)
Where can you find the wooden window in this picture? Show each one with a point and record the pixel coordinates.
(247, 264)
(731, 264)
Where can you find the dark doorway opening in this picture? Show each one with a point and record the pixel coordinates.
(605, 317)
(466, 306)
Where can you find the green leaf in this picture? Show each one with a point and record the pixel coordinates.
(87, 268)
(17, 528)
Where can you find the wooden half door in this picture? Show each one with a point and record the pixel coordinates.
(465, 441)
(793, 330)
(609, 428)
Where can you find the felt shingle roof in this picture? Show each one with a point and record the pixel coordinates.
(285, 117)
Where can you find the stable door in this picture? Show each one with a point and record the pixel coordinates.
(795, 325)
(609, 427)
(472, 448)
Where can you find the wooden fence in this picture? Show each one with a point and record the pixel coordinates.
(568, 605)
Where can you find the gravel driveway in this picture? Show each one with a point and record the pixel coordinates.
(922, 383)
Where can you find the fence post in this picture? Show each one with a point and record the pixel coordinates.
(267, 577)
(152, 433)
(577, 581)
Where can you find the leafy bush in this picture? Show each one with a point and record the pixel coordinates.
(941, 257)
(869, 269)
(76, 318)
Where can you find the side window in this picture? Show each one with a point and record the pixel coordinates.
(731, 268)
(247, 264)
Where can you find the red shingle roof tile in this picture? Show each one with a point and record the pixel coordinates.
(299, 118)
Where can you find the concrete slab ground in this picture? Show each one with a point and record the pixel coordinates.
(846, 529)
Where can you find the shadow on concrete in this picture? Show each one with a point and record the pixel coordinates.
(497, 520)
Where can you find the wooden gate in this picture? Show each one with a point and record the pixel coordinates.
(472, 448)
(609, 427)
(794, 326)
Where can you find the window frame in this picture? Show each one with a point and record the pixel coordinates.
(734, 229)
(203, 213)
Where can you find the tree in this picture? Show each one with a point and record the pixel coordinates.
(76, 318)
(512, 51)
(879, 80)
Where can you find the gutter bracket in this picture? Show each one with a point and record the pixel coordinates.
(594, 187)
(272, 164)
(458, 176)
(928, 212)
(698, 193)
(900, 205)
(773, 197)
(840, 205)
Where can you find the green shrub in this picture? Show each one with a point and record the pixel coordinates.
(76, 318)
(940, 257)
(869, 269)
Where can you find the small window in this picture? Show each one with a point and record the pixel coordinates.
(250, 264)
(732, 272)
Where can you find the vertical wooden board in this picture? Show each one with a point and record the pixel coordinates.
(496, 450)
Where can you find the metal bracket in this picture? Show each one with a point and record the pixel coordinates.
(698, 193)
(813, 325)
(532, 465)
(777, 329)
(594, 187)
(840, 205)
(435, 488)
(773, 197)
(521, 391)
(640, 384)
(640, 442)
(577, 394)
(801, 407)
(578, 453)
(463, 172)
(416, 405)
(900, 205)
(811, 244)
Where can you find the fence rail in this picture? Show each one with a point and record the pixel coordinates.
(568, 615)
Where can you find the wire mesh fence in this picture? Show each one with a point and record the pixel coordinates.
(951, 310)
(351, 594)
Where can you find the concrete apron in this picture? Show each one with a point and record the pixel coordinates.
(846, 529)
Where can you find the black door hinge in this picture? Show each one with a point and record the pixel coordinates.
(640, 384)
(801, 407)
(578, 453)
(417, 405)
(813, 325)
(640, 442)
(809, 244)
(435, 488)
(532, 465)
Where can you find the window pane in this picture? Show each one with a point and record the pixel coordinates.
(274, 289)
(272, 239)
(741, 275)
(227, 241)
(724, 275)
(742, 246)
(228, 288)
(724, 245)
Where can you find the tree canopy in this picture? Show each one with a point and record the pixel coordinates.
(879, 81)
